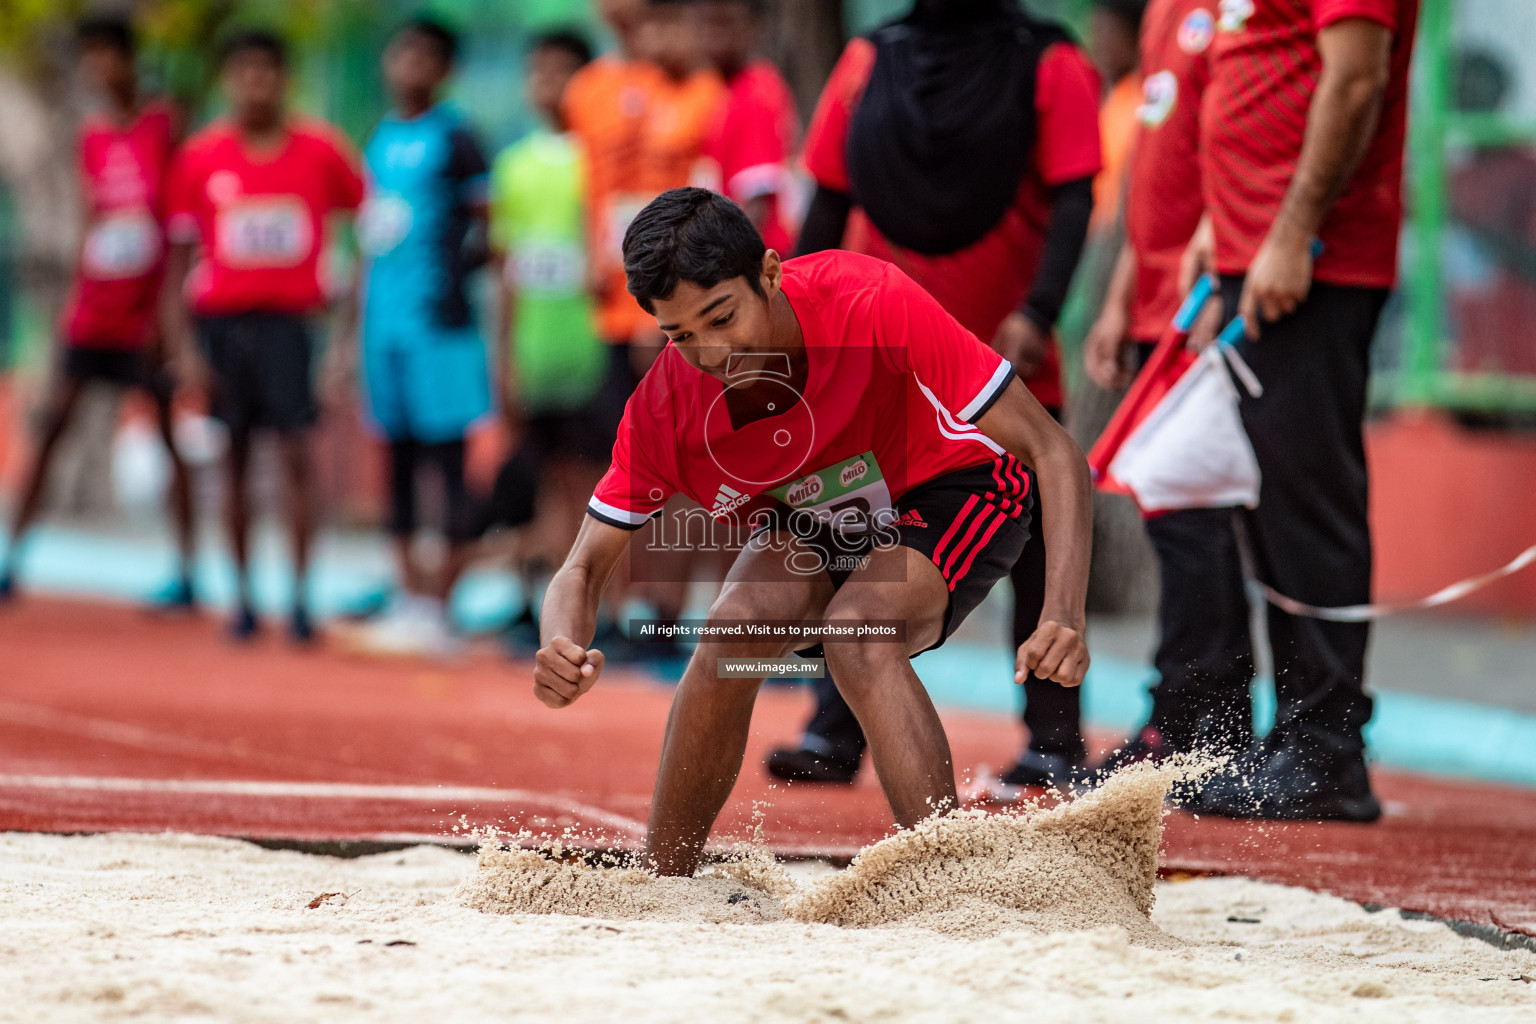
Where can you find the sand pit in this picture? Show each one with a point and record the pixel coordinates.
(173, 927)
(1086, 864)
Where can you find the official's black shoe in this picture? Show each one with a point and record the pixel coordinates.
(243, 625)
(301, 630)
(175, 597)
(1146, 745)
(1297, 779)
(796, 764)
(1038, 768)
(7, 586)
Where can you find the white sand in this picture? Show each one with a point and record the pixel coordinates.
(172, 927)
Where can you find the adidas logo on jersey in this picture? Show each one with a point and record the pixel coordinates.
(728, 500)
(911, 517)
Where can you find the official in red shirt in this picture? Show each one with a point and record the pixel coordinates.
(109, 330)
(885, 461)
(960, 143)
(757, 130)
(251, 196)
(1204, 656)
(1302, 135)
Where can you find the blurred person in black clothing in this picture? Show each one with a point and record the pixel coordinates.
(984, 203)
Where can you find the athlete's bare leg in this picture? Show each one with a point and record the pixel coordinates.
(906, 740)
(237, 511)
(299, 467)
(181, 487)
(61, 411)
(707, 728)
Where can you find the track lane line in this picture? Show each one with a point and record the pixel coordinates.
(323, 791)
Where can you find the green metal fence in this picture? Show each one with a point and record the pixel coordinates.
(1469, 268)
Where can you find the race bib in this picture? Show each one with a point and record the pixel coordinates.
(851, 496)
(551, 268)
(264, 232)
(121, 245)
(383, 223)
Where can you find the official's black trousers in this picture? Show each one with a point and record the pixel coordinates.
(1204, 655)
(1310, 536)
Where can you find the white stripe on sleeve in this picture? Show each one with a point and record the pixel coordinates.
(990, 390)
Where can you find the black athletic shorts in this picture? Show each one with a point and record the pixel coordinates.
(580, 433)
(128, 367)
(262, 371)
(972, 524)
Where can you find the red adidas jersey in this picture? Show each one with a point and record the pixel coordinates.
(260, 217)
(894, 384)
(117, 279)
(1165, 205)
(984, 282)
(747, 153)
(1264, 70)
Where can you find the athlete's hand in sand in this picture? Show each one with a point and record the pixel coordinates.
(1055, 652)
(563, 670)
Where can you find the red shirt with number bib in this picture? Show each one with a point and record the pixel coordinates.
(117, 279)
(260, 216)
(894, 385)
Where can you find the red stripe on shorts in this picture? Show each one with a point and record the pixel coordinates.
(954, 525)
(981, 542)
(959, 549)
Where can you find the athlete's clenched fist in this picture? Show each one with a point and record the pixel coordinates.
(564, 670)
(1055, 652)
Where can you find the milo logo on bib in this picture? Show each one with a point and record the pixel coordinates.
(850, 496)
(804, 492)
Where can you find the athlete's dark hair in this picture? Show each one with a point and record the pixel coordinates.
(568, 40)
(110, 30)
(444, 39)
(1128, 11)
(254, 40)
(690, 234)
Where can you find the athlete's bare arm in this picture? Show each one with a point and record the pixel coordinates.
(180, 348)
(1341, 124)
(1057, 650)
(565, 668)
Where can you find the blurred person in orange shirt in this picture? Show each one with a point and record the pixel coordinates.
(642, 116)
(1113, 32)
(757, 129)
(920, 160)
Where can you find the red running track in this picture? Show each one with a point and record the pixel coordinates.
(111, 720)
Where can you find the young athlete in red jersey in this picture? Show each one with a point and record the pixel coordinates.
(109, 328)
(253, 195)
(885, 461)
(747, 154)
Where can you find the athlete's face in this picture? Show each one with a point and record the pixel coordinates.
(549, 69)
(414, 68)
(725, 331)
(254, 83)
(728, 30)
(106, 69)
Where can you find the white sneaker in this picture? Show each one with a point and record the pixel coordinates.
(414, 626)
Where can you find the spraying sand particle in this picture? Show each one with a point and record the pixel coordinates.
(1088, 863)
